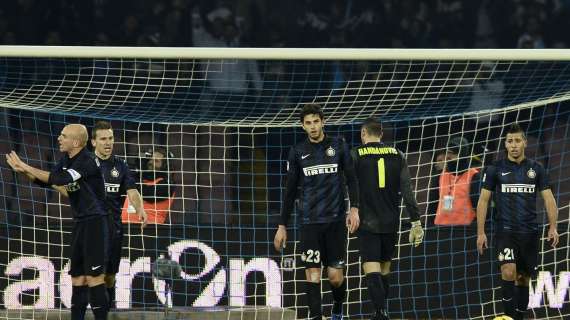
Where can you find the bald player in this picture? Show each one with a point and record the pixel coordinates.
(78, 176)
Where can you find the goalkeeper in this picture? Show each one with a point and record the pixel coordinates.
(383, 177)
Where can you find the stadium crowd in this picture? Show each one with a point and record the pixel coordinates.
(299, 23)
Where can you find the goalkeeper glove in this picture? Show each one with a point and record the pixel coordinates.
(416, 233)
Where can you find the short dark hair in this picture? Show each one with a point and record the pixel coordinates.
(373, 127)
(516, 128)
(311, 108)
(458, 145)
(100, 125)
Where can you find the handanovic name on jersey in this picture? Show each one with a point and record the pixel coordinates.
(362, 151)
(518, 188)
(320, 169)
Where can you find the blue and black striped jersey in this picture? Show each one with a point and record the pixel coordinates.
(321, 171)
(516, 187)
(81, 176)
(118, 179)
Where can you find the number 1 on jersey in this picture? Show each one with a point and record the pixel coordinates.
(381, 174)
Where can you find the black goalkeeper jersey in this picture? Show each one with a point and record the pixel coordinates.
(118, 179)
(321, 171)
(383, 180)
(84, 183)
(516, 187)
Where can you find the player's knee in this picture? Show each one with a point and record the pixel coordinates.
(336, 281)
(385, 268)
(78, 281)
(313, 275)
(109, 280)
(369, 267)
(93, 281)
(508, 272)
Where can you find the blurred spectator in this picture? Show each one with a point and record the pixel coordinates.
(155, 186)
(299, 23)
(457, 188)
(487, 93)
(228, 83)
(129, 31)
(53, 39)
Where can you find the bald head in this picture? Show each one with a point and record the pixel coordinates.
(78, 132)
(72, 139)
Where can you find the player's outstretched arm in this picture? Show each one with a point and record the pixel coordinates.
(482, 206)
(136, 200)
(552, 212)
(20, 166)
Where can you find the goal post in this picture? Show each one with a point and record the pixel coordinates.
(226, 118)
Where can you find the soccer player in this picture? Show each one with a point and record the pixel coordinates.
(118, 183)
(516, 182)
(78, 175)
(320, 165)
(383, 179)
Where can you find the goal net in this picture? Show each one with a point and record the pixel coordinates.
(225, 119)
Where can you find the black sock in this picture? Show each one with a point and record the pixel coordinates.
(522, 301)
(79, 301)
(339, 295)
(99, 301)
(376, 291)
(386, 283)
(508, 288)
(313, 291)
(111, 295)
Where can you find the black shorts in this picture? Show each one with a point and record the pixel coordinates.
(376, 247)
(519, 248)
(115, 246)
(323, 244)
(89, 244)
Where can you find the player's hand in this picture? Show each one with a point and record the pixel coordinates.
(280, 240)
(352, 220)
(15, 162)
(553, 235)
(481, 243)
(143, 218)
(416, 233)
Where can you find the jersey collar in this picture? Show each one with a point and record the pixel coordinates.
(525, 160)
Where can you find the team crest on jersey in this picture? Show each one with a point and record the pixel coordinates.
(531, 173)
(330, 152)
(114, 173)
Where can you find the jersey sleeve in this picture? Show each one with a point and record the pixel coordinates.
(77, 171)
(542, 178)
(128, 180)
(290, 186)
(407, 192)
(57, 168)
(350, 174)
(489, 181)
